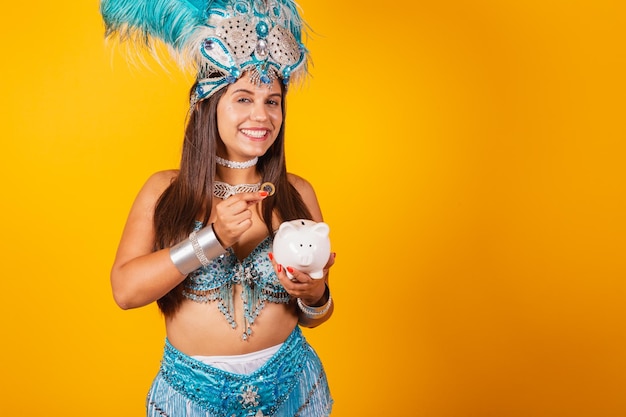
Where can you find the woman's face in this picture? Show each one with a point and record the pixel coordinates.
(249, 117)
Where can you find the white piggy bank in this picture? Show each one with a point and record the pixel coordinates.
(304, 245)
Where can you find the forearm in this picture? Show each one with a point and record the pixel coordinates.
(144, 279)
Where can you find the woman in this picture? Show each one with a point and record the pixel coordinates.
(198, 242)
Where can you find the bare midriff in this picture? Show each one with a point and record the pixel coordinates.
(201, 329)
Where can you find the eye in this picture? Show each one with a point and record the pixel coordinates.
(272, 102)
(244, 100)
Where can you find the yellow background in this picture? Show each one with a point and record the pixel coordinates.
(469, 157)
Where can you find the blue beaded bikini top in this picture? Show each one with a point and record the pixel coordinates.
(255, 273)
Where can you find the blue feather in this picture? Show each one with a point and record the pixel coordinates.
(183, 25)
(172, 21)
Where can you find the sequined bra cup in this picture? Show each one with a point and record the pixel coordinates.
(216, 283)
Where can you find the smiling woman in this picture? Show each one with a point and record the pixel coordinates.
(198, 240)
(249, 118)
(476, 192)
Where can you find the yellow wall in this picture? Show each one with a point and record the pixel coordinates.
(469, 157)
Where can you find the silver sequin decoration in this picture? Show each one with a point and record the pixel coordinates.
(223, 190)
(239, 35)
(283, 46)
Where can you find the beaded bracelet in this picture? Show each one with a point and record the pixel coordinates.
(196, 251)
(316, 312)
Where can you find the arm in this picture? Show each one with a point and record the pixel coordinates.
(314, 293)
(139, 275)
(314, 314)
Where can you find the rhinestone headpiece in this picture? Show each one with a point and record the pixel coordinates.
(221, 39)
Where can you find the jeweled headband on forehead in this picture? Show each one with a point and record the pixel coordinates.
(221, 39)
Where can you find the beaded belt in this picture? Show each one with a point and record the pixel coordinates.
(223, 393)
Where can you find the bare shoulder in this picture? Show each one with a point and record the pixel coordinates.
(138, 236)
(300, 183)
(157, 183)
(162, 179)
(308, 195)
(151, 191)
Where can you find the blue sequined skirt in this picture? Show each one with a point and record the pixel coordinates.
(292, 383)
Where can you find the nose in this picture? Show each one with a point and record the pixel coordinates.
(258, 113)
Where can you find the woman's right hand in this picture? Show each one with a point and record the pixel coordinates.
(234, 217)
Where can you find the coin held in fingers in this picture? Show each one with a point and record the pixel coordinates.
(269, 188)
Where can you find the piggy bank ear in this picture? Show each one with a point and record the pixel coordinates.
(286, 228)
(321, 229)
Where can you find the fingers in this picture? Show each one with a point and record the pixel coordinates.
(234, 217)
(248, 198)
(299, 284)
(297, 276)
(240, 202)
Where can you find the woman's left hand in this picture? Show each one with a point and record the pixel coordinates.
(302, 286)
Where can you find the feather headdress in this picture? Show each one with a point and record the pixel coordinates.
(220, 39)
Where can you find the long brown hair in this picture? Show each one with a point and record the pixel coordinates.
(191, 192)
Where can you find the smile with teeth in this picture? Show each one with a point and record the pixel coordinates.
(254, 133)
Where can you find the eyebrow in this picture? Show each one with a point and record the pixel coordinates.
(243, 90)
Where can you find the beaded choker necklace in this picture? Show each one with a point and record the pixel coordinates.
(237, 165)
(223, 190)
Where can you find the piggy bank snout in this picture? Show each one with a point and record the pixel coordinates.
(304, 254)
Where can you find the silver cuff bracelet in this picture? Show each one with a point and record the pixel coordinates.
(201, 247)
